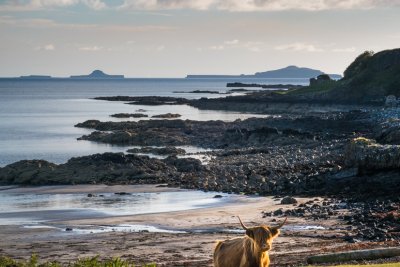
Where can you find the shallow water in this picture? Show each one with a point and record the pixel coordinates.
(32, 209)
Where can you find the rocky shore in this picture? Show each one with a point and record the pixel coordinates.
(310, 149)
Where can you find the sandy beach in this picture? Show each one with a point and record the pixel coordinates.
(191, 246)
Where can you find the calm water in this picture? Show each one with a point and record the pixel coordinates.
(37, 117)
(33, 209)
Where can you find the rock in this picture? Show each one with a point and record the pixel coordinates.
(169, 150)
(68, 229)
(129, 115)
(217, 196)
(91, 195)
(97, 168)
(391, 101)
(197, 92)
(122, 193)
(321, 79)
(147, 100)
(185, 164)
(288, 200)
(167, 116)
(278, 212)
(389, 135)
(368, 156)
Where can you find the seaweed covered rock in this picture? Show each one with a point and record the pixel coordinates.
(369, 156)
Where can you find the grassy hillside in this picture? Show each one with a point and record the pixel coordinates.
(368, 79)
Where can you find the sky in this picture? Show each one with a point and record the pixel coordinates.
(173, 38)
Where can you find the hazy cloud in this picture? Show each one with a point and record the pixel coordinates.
(232, 42)
(217, 47)
(28, 5)
(258, 5)
(299, 47)
(47, 47)
(95, 4)
(167, 4)
(229, 5)
(48, 23)
(344, 50)
(236, 44)
(94, 48)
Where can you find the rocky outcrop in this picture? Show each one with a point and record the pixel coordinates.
(218, 134)
(29, 172)
(146, 100)
(129, 115)
(167, 116)
(97, 168)
(368, 156)
(169, 150)
(389, 135)
(321, 79)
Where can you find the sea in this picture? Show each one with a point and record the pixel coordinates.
(37, 116)
(37, 119)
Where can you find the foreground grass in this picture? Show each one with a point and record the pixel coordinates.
(373, 265)
(115, 262)
(87, 262)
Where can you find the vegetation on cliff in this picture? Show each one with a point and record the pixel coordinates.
(368, 79)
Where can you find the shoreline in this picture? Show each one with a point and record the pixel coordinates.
(290, 155)
(192, 247)
(87, 188)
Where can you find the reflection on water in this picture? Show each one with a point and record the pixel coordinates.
(31, 208)
(95, 229)
(37, 117)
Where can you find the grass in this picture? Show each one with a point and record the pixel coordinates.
(115, 262)
(373, 265)
(86, 262)
(315, 89)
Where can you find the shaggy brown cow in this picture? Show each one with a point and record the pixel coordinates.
(248, 251)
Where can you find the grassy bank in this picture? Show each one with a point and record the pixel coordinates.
(373, 265)
(87, 262)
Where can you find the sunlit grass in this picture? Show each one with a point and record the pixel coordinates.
(372, 265)
(86, 262)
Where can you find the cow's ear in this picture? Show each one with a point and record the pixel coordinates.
(274, 232)
(250, 233)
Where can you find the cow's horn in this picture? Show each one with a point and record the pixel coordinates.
(241, 223)
(280, 226)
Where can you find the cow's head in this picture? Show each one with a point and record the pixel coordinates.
(262, 235)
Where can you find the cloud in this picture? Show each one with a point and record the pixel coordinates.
(95, 4)
(48, 24)
(344, 50)
(167, 4)
(94, 48)
(228, 5)
(160, 48)
(236, 44)
(216, 47)
(258, 5)
(299, 47)
(232, 42)
(30, 5)
(47, 47)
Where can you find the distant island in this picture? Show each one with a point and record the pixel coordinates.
(288, 72)
(35, 77)
(97, 74)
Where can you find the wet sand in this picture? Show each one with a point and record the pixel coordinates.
(193, 248)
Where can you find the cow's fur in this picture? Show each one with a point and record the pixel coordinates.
(248, 251)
